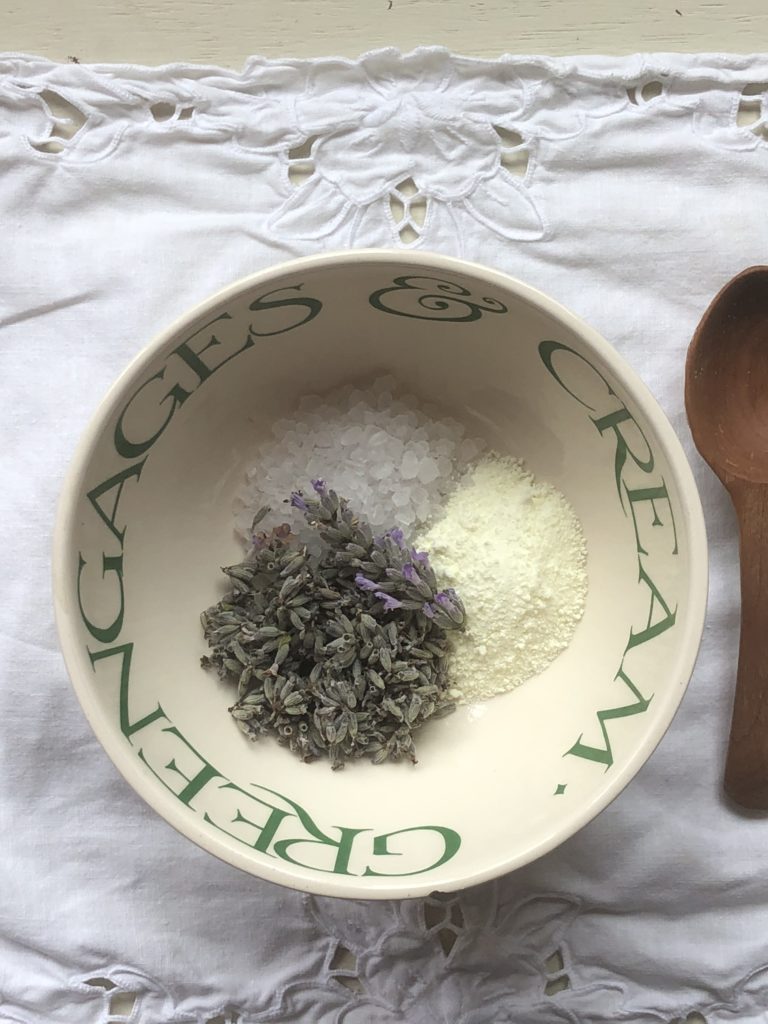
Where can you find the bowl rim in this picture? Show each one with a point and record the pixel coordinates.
(350, 886)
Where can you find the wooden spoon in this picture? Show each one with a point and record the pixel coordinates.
(726, 398)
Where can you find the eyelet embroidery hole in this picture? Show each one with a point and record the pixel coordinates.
(301, 162)
(557, 980)
(409, 210)
(343, 969)
(640, 95)
(120, 1004)
(651, 91)
(514, 153)
(163, 111)
(749, 112)
(444, 918)
(67, 122)
(230, 1016)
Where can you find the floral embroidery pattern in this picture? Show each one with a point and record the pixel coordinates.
(393, 967)
(417, 142)
(434, 125)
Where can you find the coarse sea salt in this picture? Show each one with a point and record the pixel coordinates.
(377, 447)
(514, 550)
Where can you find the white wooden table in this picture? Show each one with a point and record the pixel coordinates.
(224, 32)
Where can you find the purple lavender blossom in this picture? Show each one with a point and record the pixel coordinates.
(422, 557)
(448, 601)
(364, 583)
(298, 501)
(428, 610)
(397, 536)
(320, 487)
(444, 601)
(410, 574)
(390, 603)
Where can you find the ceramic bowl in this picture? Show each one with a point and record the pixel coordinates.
(145, 522)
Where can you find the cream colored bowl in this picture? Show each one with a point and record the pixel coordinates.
(145, 522)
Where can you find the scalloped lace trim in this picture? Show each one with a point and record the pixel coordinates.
(417, 140)
(448, 959)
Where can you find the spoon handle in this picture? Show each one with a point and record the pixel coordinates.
(746, 767)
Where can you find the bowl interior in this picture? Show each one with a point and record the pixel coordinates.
(146, 522)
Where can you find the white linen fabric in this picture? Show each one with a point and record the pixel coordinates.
(630, 189)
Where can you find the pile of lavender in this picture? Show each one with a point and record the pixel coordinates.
(342, 654)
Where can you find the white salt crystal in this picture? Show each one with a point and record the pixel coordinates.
(468, 450)
(380, 450)
(308, 403)
(351, 436)
(409, 467)
(279, 427)
(381, 469)
(428, 470)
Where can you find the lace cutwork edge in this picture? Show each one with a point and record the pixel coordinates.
(517, 956)
(416, 142)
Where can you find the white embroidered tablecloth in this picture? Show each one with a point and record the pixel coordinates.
(629, 189)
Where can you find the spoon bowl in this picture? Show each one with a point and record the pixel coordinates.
(726, 398)
(727, 380)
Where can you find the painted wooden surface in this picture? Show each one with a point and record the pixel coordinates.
(224, 32)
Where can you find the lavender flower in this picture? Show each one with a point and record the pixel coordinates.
(364, 583)
(449, 602)
(318, 657)
(410, 574)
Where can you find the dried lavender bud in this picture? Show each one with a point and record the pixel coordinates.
(342, 655)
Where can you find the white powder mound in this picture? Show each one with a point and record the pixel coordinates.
(375, 447)
(514, 550)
